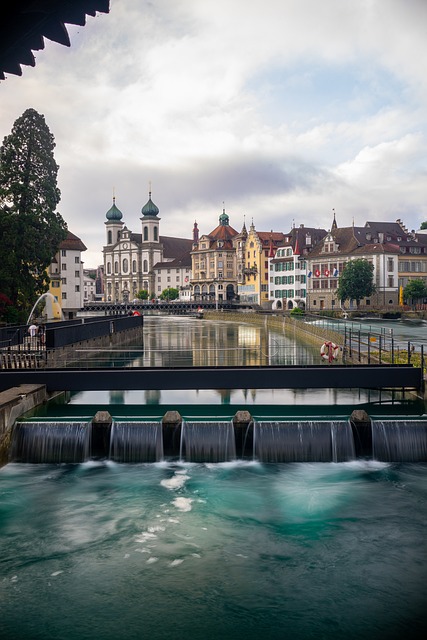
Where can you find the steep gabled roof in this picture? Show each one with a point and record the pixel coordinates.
(73, 243)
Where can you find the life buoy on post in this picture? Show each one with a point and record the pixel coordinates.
(329, 351)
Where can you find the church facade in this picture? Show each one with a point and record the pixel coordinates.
(130, 259)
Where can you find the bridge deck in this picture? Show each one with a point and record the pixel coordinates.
(271, 377)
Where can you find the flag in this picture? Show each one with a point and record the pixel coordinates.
(335, 273)
(309, 274)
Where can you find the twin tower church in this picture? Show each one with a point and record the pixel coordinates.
(130, 258)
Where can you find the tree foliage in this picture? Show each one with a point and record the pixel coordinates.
(356, 281)
(142, 294)
(423, 225)
(30, 227)
(415, 290)
(169, 294)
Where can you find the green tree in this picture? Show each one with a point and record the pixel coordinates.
(142, 294)
(423, 225)
(30, 227)
(169, 294)
(414, 290)
(356, 281)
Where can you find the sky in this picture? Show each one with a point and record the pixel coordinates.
(279, 111)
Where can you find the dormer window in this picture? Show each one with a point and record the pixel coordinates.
(368, 236)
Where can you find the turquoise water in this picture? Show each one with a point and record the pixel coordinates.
(227, 551)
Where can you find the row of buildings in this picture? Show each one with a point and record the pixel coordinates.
(300, 268)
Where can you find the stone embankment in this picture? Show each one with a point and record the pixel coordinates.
(14, 403)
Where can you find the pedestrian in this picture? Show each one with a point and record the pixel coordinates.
(33, 330)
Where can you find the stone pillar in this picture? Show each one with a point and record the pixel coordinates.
(101, 435)
(244, 434)
(362, 433)
(171, 427)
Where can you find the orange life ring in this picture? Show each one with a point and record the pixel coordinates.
(329, 351)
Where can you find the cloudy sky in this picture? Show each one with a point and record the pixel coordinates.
(281, 109)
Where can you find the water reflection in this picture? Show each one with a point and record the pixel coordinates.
(185, 342)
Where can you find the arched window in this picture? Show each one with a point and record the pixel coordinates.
(110, 237)
(145, 234)
(156, 234)
(145, 269)
(116, 267)
(134, 266)
(125, 265)
(108, 267)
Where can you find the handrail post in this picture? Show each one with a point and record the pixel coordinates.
(359, 345)
(409, 352)
(392, 350)
(369, 348)
(379, 349)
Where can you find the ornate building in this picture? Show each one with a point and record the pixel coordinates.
(130, 258)
(258, 247)
(288, 269)
(213, 260)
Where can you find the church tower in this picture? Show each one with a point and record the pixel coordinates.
(151, 247)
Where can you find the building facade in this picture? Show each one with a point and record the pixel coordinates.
(288, 269)
(66, 275)
(130, 258)
(327, 261)
(213, 263)
(259, 246)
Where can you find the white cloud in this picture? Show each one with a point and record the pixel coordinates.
(283, 109)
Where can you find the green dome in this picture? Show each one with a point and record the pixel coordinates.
(114, 213)
(224, 220)
(150, 208)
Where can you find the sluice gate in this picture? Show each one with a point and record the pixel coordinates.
(212, 441)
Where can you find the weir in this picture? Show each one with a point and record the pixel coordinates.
(212, 441)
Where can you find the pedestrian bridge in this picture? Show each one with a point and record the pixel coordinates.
(259, 377)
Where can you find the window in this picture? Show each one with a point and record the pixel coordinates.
(145, 234)
(64, 280)
(169, 279)
(145, 266)
(390, 264)
(156, 234)
(64, 266)
(77, 274)
(76, 259)
(110, 237)
(177, 278)
(390, 281)
(116, 267)
(77, 287)
(125, 265)
(63, 253)
(108, 267)
(134, 266)
(64, 295)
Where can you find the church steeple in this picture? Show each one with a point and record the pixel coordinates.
(334, 222)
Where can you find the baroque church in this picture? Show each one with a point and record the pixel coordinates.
(130, 258)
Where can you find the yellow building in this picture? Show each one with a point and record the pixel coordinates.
(259, 247)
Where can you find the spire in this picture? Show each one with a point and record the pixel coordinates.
(150, 209)
(334, 222)
(195, 232)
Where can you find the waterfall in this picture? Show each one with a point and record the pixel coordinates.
(303, 441)
(399, 441)
(50, 442)
(207, 442)
(136, 442)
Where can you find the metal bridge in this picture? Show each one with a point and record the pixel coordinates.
(255, 377)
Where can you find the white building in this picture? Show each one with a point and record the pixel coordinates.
(130, 259)
(66, 274)
(288, 269)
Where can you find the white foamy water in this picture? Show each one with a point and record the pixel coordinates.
(183, 504)
(176, 482)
